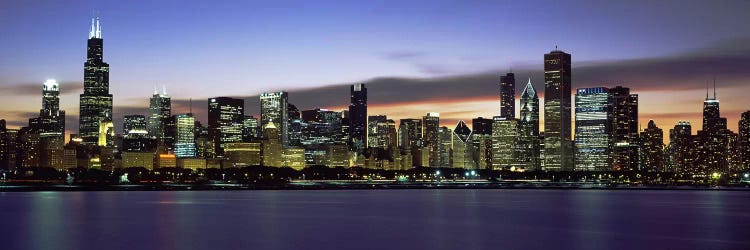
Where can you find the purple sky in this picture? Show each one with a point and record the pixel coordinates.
(447, 54)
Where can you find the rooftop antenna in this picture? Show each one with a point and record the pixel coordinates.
(510, 67)
(190, 105)
(714, 88)
(156, 91)
(164, 89)
(706, 90)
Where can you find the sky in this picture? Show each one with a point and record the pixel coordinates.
(414, 56)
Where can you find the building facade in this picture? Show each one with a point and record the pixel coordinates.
(557, 116)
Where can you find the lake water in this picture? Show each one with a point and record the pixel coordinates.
(376, 219)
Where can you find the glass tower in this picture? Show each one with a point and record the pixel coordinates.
(558, 146)
(592, 137)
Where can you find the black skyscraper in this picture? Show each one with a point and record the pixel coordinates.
(558, 147)
(508, 96)
(96, 101)
(225, 119)
(358, 118)
(625, 143)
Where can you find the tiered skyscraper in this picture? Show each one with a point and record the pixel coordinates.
(558, 146)
(96, 101)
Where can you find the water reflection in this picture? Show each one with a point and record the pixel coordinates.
(376, 219)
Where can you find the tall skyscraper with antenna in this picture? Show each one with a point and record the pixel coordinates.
(508, 96)
(96, 101)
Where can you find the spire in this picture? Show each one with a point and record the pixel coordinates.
(529, 90)
(706, 90)
(190, 105)
(98, 28)
(93, 29)
(164, 89)
(156, 91)
(714, 88)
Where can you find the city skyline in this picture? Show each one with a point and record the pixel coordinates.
(478, 99)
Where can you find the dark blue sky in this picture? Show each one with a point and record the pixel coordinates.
(200, 49)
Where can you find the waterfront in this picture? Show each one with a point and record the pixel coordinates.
(377, 219)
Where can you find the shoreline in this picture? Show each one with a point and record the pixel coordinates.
(358, 186)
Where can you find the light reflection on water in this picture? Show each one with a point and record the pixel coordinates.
(376, 219)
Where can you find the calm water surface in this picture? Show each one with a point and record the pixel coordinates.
(376, 219)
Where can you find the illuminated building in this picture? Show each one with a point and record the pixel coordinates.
(160, 110)
(387, 136)
(274, 109)
(680, 148)
(50, 127)
(652, 139)
(713, 138)
(358, 118)
(508, 96)
(293, 157)
(431, 138)
(106, 134)
(557, 128)
(744, 140)
(481, 142)
(5, 147)
(134, 126)
(138, 159)
(135, 135)
(167, 160)
(373, 138)
(445, 145)
(191, 163)
(250, 129)
(461, 157)
(185, 136)
(272, 148)
(410, 138)
(528, 129)
(593, 129)
(338, 156)
(96, 101)
(225, 117)
(243, 153)
(625, 141)
(504, 142)
(28, 146)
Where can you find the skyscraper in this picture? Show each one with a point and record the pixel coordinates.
(96, 101)
(445, 147)
(250, 129)
(652, 141)
(462, 147)
(714, 138)
(528, 129)
(624, 129)
(557, 79)
(274, 108)
(431, 125)
(410, 134)
(271, 149)
(481, 142)
(744, 140)
(52, 119)
(504, 142)
(135, 135)
(373, 138)
(225, 117)
(680, 148)
(185, 136)
(592, 137)
(160, 111)
(358, 118)
(508, 96)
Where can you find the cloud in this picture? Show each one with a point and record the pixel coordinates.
(35, 89)
(403, 55)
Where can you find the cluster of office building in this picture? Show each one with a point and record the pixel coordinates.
(606, 135)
